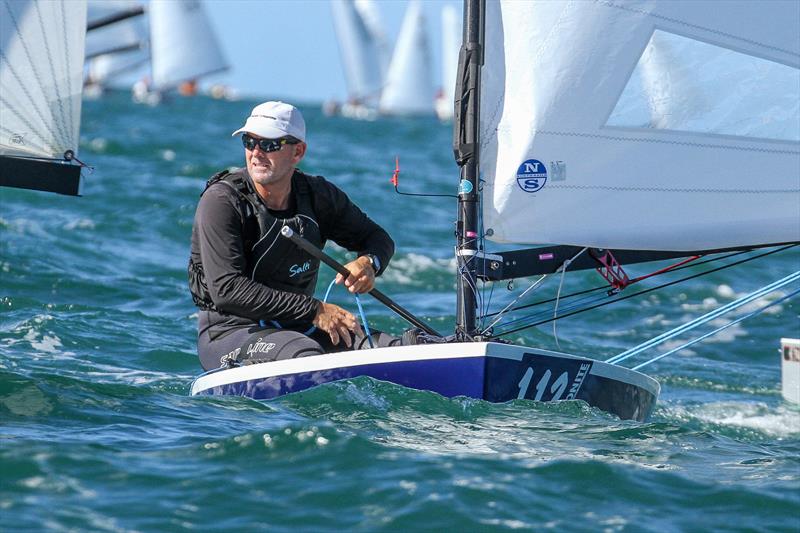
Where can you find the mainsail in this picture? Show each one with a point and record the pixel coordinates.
(640, 124)
(41, 68)
(183, 46)
(409, 87)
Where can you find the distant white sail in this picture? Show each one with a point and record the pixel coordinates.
(409, 88)
(359, 50)
(368, 10)
(183, 46)
(451, 44)
(41, 71)
(118, 48)
(642, 125)
(127, 34)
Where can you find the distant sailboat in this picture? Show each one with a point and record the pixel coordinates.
(41, 71)
(183, 46)
(117, 42)
(451, 43)
(409, 89)
(356, 25)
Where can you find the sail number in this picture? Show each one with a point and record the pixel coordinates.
(555, 388)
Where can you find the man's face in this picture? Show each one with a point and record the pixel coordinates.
(269, 168)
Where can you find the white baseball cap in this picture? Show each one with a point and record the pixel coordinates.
(272, 120)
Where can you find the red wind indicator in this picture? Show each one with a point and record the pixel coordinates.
(396, 174)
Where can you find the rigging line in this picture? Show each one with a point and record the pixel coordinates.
(705, 318)
(726, 326)
(651, 289)
(564, 268)
(526, 291)
(574, 305)
(542, 315)
(669, 268)
(605, 287)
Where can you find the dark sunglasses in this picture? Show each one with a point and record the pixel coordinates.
(266, 145)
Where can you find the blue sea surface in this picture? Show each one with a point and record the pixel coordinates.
(97, 353)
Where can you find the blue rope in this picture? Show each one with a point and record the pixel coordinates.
(360, 312)
(705, 318)
(740, 319)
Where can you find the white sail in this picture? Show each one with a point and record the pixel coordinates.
(451, 43)
(642, 125)
(127, 34)
(409, 88)
(183, 46)
(359, 51)
(116, 49)
(41, 71)
(368, 10)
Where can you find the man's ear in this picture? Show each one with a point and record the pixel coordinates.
(299, 151)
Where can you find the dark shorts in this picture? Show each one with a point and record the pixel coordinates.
(256, 344)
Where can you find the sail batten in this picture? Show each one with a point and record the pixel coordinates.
(640, 124)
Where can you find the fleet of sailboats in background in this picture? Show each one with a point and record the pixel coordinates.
(117, 43)
(406, 86)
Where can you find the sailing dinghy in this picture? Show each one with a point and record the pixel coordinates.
(41, 79)
(612, 128)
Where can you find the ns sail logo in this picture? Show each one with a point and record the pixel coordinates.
(531, 175)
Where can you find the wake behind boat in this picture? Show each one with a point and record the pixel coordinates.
(582, 149)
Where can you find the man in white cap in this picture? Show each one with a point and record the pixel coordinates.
(255, 289)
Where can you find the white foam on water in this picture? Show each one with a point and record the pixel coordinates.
(780, 421)
(80, 223)
(406, 269)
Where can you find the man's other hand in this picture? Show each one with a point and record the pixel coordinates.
(338, 323)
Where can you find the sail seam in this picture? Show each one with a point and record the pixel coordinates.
(662, 141)
(611, 4)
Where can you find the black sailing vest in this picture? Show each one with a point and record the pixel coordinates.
(271, 260)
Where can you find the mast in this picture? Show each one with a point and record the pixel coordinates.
(465, 149)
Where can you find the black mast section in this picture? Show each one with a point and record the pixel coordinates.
(465, 149)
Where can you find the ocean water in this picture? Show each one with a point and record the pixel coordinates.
(97, 353)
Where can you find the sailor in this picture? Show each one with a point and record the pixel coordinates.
(254, 288)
